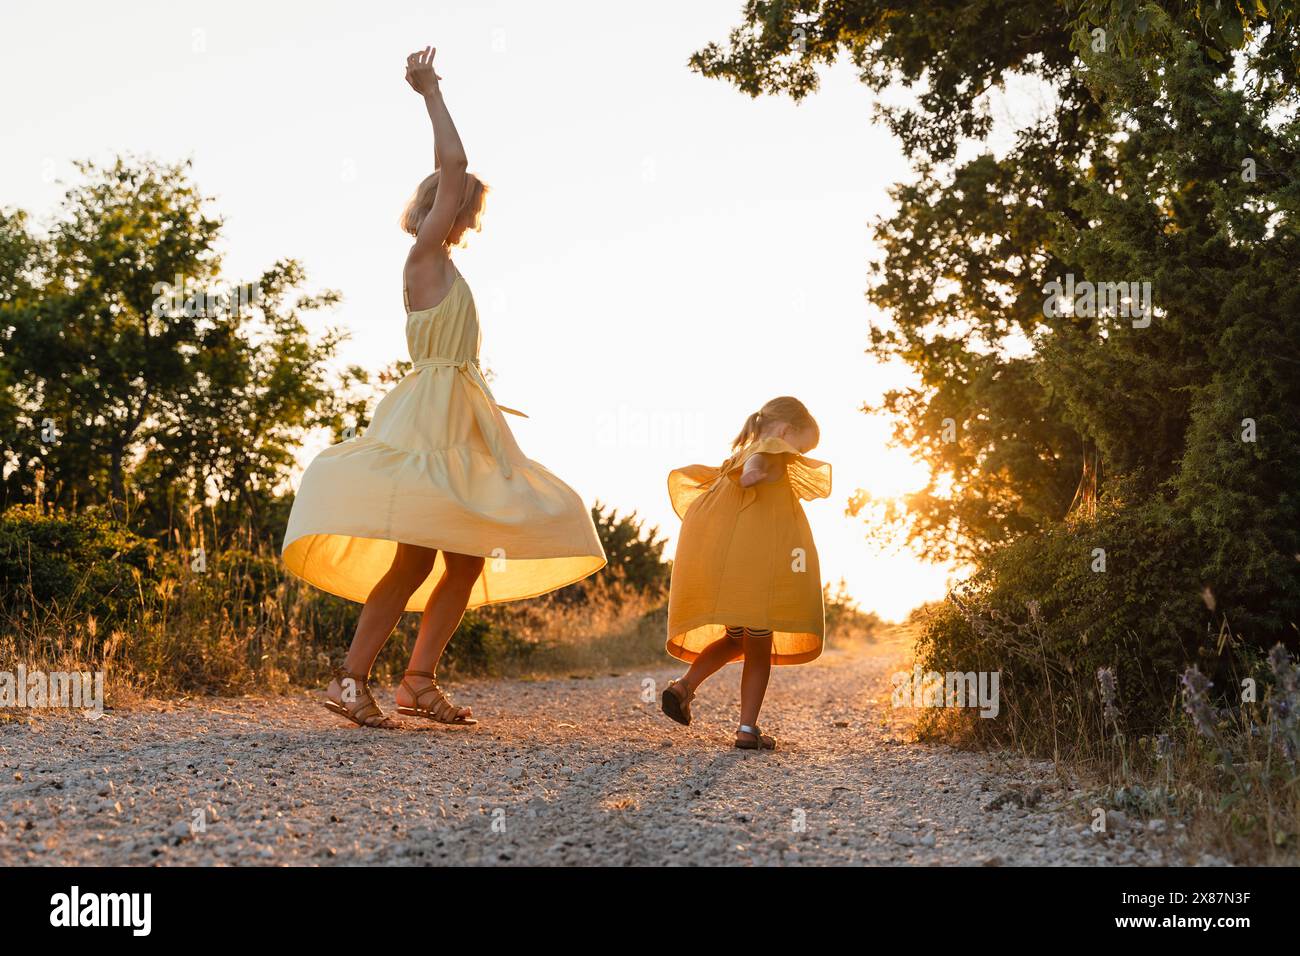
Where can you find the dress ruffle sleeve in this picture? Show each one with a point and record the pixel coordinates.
(809, 478)
(688, 483)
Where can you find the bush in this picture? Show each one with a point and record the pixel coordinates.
(481, 646)
(75, 566)
(1038, 612)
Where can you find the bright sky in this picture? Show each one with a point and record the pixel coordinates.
(660, 253)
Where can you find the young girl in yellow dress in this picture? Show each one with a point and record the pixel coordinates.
(403, 516)
(745, 581)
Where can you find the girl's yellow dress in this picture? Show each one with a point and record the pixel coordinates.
(746, 556)
(438, 467)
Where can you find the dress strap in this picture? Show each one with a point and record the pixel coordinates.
(406, 296)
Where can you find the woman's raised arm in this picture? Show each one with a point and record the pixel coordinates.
(448, 153)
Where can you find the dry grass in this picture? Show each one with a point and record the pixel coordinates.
(245, 626)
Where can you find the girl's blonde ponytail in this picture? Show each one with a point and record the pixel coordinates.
(748, 432)
(783, 409)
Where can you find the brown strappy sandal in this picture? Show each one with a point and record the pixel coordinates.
(761, 740)
(443, 710)
(677, 705)
(364, 712)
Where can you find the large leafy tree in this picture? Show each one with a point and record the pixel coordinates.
(89, 357)
(229, 438)
(116, 393)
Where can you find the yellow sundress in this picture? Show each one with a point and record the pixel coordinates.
(746, 556)
(438, 467)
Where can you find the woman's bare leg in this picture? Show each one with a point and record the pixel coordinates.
(384, 606)
(442, 615)
(411, 565)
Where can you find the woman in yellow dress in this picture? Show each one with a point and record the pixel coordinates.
(746, 581)
(434, 507)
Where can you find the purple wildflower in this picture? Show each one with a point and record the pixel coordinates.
(1196, 701)
(1109, 694)
(1285, 702)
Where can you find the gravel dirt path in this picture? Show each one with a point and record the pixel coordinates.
(560, 771)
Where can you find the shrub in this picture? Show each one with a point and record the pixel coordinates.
(1038, 612)
(74, 565)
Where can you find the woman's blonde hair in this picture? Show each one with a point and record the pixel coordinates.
(784, 409)
(469, 216)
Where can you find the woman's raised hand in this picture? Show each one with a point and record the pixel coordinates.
(419, 71)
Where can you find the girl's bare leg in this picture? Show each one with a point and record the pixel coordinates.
(411, 565)
(711, 660)
(753, 679)
(442, 615)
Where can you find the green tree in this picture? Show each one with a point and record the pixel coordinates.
(635, 552)
(163, 401)
(86, 350)
(229, 439)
